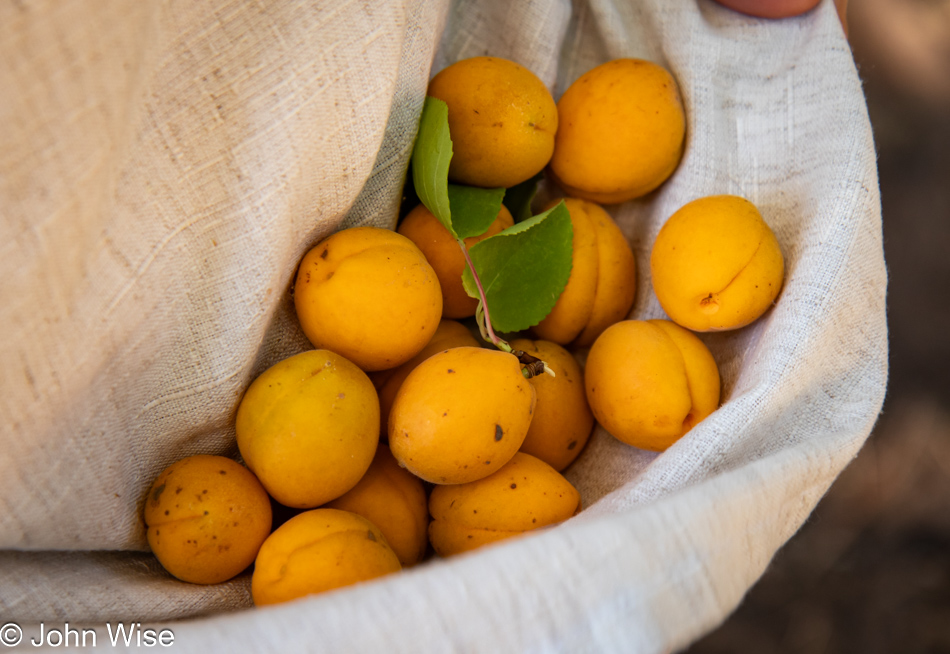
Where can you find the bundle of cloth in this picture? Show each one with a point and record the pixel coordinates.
(165, 166)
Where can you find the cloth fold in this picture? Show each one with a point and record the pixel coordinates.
(166, 165)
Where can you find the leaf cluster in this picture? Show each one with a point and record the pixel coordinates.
(523, 269)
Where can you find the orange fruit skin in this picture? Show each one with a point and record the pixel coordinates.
(524, 495)
(620, 133)
(716, 264)
(650, 382)
(502, 120)
(395, 501)
(368, 294)
(445, 256)
(461, 415)
(206, 517)
(317, 551)
(603, 281)
(449, 334)
(562, 421)
(308, 427)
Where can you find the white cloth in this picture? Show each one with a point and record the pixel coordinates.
(165, 165)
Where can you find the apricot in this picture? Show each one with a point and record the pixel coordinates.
(368, 294)
(393, 500)
(602, 285)
(620, 132)
(445, 256)
(461, 415)
(308, 427)
(524, 495)
(318, 551)
(206, 518)
(449, 334)
(650, 382)
(716, 265)
(502, 120)
(562, 421)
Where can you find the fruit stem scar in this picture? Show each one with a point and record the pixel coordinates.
(709, 304)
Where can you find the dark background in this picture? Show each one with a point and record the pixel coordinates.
(869, 572)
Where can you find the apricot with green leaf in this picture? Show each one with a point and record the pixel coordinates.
(602, 282)
(502, 120)
(445, 255)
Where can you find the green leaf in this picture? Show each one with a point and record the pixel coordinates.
(431, 156)
(518, 198)
(523, 269)
(474, 209)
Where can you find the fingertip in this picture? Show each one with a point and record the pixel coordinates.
(770, 8)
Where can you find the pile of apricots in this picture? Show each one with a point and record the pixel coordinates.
(401, 432)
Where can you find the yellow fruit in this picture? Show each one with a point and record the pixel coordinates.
(716, 265)
(620, 132)
(393, 500)
(562, 421)
(524, 495)
(650, 382)
(445, 256)
(317, 551)
(308, 427)
(206, 518)
(449, 334)
(461, 415)
(602, 285)
(368, 294)
(502, 119)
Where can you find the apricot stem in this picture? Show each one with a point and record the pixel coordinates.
(532, 366)
(483, 320)
(482, 314)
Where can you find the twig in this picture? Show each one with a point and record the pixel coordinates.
(488, 333)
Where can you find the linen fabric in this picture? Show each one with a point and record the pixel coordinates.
(164, 167)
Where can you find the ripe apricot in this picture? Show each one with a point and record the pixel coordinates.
(368, 294)
(317, 551)
(620, 132)
(601, 288)
(449, 334)
(445, 256)
(562, 421)
(524, 495)
(502, 120)
(650, 382)
(393, 500)
(308, 427)
(206, 518)
(461, 415)
(716, 265)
